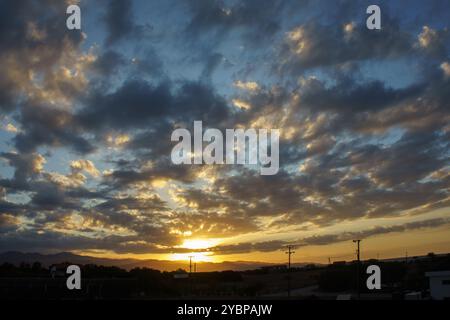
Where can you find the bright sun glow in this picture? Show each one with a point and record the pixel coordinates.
(198, 244)
(196, 256)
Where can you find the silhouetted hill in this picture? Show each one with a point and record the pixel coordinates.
(16, 258)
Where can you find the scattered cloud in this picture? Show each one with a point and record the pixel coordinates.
(85, 159)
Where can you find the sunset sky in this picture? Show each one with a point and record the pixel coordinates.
(86, 119)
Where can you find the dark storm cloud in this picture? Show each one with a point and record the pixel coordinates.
(359, 148)
(259, 19)
(423, 153)
(149, 226)
(16, 17)
(313, 45)
(30, 240)
(368, 109)
(383, 181)
(26, 165)
(51, 241)
(262, 195)
(199, 101)
(50, 197)
(140, 104)
(147, 143)
(33, 42)
(212, 62)
(130, 203)
(111, 65)
(133, 104)
(148, 62)
(119, 19)
(7, 96)
(344, 41)
(31, 38)
(10, 207)
(378, 230)
(427, 113)
(328, 239)
(163, 169)
(348, 97)
(428, 156)
(47, 126)
(267, 246)
(108, 62)
(209, 223)
(206, 201)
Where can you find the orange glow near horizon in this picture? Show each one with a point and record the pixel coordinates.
(196, 256)
(391, 245)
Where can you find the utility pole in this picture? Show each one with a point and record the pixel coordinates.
(357, 241)
(406, 256)
(190, 274)
(289, 253)
(190, 264)
(329, 260)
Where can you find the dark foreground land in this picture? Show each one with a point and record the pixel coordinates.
(33, 281)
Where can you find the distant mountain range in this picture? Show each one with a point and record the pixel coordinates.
(16, 258)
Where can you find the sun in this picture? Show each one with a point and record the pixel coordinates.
(198, 244)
